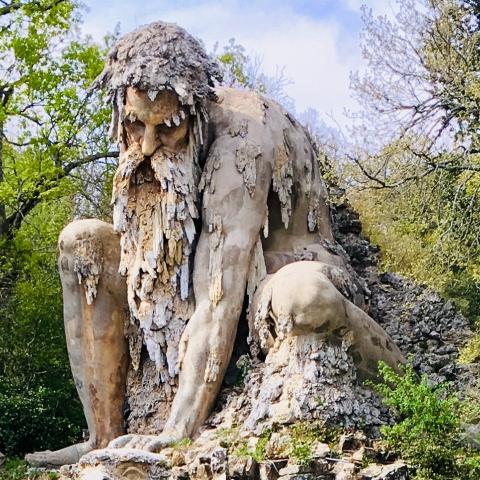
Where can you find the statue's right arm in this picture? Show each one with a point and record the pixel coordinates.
(231, 221)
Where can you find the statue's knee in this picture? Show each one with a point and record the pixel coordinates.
(80, 230)
(87, 241)
(302, 294)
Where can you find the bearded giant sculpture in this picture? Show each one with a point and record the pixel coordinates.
(219, 212)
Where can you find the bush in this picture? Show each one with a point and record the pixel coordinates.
(428, 432)
(37, 419)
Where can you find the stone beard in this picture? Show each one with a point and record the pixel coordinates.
(154, 210)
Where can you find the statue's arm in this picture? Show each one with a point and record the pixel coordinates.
(231, 221)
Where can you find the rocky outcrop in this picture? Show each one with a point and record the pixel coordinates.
(224, 454)
(423, 325)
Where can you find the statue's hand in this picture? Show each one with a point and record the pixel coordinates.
(150, 443)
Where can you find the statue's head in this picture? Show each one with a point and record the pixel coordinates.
(158, 78)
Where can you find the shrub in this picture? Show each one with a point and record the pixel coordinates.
(37, 419)
(428, 432)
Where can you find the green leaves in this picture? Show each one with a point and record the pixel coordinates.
(427, 432)
(54, 149)
(50, 122)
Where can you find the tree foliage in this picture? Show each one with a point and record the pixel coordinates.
(53, 142)
(50, 125)
(416, 153)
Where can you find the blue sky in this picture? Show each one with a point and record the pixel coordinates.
(317, 41)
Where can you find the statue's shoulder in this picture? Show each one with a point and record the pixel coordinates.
(233, 105)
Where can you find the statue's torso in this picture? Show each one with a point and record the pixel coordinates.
(298, 215)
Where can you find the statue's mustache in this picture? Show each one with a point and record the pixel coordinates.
(133, 159)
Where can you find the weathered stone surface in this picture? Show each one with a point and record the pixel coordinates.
(395, 471)
(320, 450)
(109, 464)
(242, 468)
(344, 471)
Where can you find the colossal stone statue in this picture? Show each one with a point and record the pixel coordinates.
(218, 209)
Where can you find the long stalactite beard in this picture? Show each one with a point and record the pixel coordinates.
(155, 205)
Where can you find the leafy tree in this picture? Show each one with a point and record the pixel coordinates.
(50, 125)
(417, 143)
(55, 158)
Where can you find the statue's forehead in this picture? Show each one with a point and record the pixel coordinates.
(165, 104)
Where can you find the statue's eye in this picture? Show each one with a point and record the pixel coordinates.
(135, 125)
(162, 129)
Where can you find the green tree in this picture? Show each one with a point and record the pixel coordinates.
(50, 125)
(417, 154)
(55, 158)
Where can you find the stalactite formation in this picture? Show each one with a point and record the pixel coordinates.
(155, 204)
(257, 270)
(88, 259)
(283, 178)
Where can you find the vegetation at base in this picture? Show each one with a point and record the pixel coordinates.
(305, 434)
(182, 444)
(15, 469)
(428, 431)
(242, 449)
(296, 441)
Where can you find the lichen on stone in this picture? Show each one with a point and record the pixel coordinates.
(87, 264)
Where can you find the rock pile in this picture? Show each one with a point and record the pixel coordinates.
(218, 455)
(421, 323)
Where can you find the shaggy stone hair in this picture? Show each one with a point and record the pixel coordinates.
(156, 57)
(160, 56)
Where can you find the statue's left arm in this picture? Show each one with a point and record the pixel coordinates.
(232, 216)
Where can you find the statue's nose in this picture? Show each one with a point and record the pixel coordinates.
(150, 142)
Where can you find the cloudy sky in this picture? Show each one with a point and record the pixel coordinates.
(317, 41)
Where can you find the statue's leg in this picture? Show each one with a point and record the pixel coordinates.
(95, 308)
(299, 299)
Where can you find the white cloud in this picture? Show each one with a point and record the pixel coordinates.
(318, 54)
(379, 7)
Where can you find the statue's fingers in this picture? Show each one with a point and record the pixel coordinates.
(160, 442)
(135, 442)
(143, 442)
(120, 442)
